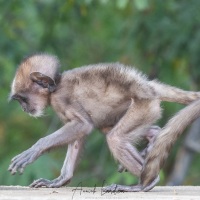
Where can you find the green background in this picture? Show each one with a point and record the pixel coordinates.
(161, 38)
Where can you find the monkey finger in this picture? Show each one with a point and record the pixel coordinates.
(22, 167)
(40, 182)
(19, 164)
(20, 155)
(22, 161)
(13, 165)
(35, 182)
(10, 168)
(13, 169)
(16, 157)
(58, 182)
(21, 170)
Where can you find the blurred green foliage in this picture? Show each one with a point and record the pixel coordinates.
(160, 37)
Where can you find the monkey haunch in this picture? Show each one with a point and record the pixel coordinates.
(117, 99)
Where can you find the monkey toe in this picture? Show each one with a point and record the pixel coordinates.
(110, 188)
(134, 188)
(123, 188)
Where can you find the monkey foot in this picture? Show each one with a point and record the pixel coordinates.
(58, 182)
(122, 188)
(132, 188)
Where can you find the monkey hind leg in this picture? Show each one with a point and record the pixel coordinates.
(149, 135)
(124, 152)
(131, 128)
(132, 160)
(129, 158)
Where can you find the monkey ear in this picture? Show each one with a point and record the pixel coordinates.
(43, 80)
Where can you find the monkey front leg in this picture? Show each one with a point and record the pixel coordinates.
(68, 133)
(74, 149)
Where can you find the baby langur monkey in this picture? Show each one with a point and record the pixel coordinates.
(114, 98)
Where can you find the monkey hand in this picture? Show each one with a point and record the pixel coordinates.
(58, 182)
(19, 162)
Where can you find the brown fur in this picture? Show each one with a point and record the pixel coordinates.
(167, 137)
(115, 98)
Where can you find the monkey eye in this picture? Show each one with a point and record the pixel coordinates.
(24, 99)
(19, 98)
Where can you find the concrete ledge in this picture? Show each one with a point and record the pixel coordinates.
(70, 193)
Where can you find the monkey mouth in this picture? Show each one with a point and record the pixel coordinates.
(35, 113)
(32, 111)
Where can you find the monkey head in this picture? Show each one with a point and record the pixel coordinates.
(34, 81)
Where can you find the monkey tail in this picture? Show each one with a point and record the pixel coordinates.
(173, 94)
(164, 141)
